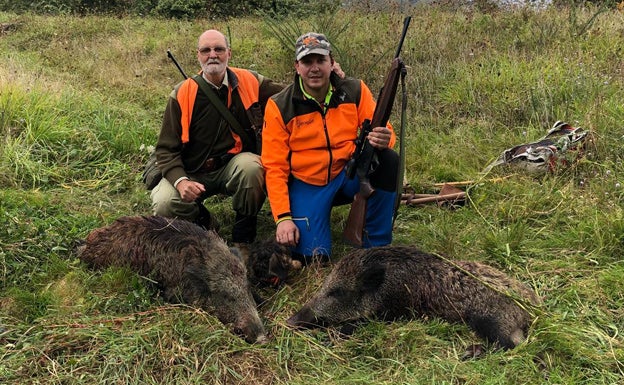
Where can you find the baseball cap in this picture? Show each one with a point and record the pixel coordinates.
(312, 42)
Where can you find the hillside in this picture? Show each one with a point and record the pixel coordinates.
(81, 101)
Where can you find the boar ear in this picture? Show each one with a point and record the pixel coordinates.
(373, 277)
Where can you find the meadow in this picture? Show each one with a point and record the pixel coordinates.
(81, 102)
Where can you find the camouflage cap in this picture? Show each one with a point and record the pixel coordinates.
(310, 43)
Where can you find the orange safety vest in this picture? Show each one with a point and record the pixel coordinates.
(244, 80)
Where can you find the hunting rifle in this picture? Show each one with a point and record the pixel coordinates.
(360, 163)
(170, 55)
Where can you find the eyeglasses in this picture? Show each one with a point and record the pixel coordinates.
(206, 50)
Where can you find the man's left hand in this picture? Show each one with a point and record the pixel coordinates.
(338, 70)
(379, 137)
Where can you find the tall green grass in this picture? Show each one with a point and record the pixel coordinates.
(81, 99)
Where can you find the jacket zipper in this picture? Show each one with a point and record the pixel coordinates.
(331, 155)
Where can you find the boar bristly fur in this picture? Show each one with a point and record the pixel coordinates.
(189, 264)
(400, 281)
(270, 263)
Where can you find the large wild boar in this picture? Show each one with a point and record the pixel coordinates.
(189, 264)
(399, 281)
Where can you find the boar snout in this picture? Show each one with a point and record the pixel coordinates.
(247, 324)
(252, 333)
(304, 319)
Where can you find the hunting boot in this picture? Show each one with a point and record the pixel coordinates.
(205, 219)
(244, 233)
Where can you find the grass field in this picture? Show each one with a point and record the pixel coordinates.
(81, 101)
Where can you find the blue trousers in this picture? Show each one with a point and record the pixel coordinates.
(311, 209)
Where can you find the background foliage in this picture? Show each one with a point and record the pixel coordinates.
(81, 98)
(177, 9)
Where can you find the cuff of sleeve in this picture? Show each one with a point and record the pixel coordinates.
(282, 219)
(180, 179)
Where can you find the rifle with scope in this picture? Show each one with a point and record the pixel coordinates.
(360, 163)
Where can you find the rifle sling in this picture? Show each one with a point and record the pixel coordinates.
(218, 104)
(401, 173)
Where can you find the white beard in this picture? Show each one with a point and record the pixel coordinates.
(213, 68)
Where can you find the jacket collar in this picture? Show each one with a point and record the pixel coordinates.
(231, 77)
(298, 94)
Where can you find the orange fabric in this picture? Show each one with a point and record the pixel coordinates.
(186, 98)
(238, 144)
(248, 90)
(248, 86)
(312, 147)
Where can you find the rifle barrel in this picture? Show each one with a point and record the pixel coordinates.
(170, 55)
(406, 23)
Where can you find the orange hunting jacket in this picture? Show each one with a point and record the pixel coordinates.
(302, 140)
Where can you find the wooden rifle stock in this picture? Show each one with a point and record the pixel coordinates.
(362, 157)
(354, 229)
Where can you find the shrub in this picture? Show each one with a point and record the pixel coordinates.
(175, 9)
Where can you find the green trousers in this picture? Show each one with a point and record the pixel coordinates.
(242, 178)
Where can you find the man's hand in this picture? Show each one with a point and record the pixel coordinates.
(338, 70)
(379, 137)
(190, 190)
(287, 233)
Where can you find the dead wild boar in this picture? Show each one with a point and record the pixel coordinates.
(189, 264)
(270, 263)
(400, 281)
